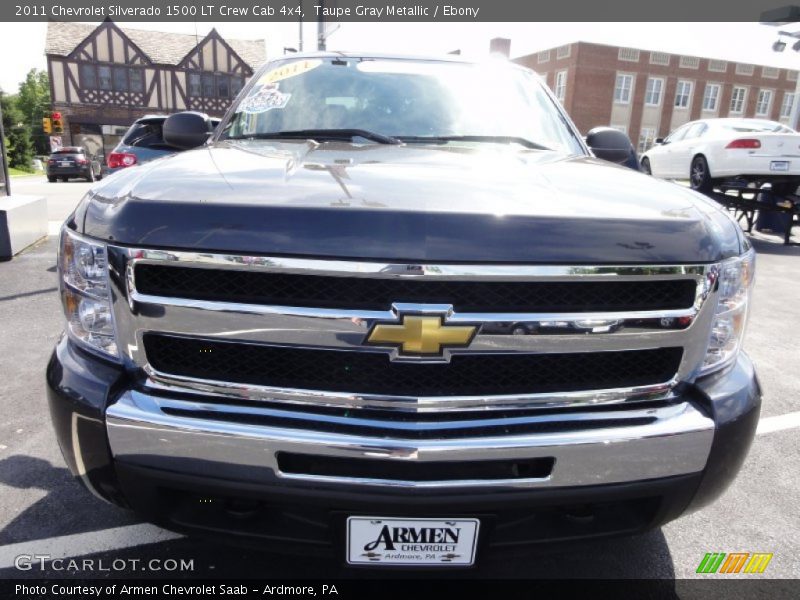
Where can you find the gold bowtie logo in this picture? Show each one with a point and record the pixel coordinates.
(421, 335)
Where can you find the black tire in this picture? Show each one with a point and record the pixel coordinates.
(90, 177)
(699, 175)
(519, 330)
(646, 166)
(64, 179)
(51, 179)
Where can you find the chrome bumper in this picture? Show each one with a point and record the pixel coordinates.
(676, 441)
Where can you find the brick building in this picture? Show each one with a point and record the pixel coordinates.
(647, 93)
(104, 77)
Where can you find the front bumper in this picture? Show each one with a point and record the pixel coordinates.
(126, 450)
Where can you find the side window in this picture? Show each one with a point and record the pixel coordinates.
(695, 131)
(677, 135)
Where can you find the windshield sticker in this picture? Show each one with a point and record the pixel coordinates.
(264, 99)
(295, 68)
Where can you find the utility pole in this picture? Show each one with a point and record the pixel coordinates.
(321, 30)
(3, 158)
(300, 35)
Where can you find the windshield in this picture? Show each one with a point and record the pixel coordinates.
(411, 100)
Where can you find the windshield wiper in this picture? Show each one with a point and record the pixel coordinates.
(317, 134)
(497, 139)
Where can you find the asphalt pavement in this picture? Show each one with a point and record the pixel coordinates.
(45, 511)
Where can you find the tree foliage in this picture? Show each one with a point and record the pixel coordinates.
(33, 100)
(19, 146)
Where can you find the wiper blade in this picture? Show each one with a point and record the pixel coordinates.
(316, 134)
(497, 139)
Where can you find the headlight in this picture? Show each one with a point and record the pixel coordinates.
(736, 279)
(83, 270)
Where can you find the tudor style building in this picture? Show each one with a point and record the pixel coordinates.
(103, 78)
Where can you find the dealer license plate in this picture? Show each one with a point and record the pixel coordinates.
(779, 165)
(423, 542)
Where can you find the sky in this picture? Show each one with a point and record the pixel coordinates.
(743, 42)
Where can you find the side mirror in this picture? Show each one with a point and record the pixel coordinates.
(610, 144)
(659, 141)
(186, 130)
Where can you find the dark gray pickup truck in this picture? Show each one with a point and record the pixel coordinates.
(398, 311)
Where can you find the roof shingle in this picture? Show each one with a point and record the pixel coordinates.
(161, 47)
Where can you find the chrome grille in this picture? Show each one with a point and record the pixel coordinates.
(657, 322)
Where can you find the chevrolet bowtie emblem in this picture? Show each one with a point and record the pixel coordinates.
(421, 335)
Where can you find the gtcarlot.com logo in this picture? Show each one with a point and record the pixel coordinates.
(45, 562)
(734, 562)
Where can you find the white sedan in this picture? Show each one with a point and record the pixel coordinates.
(711, 151)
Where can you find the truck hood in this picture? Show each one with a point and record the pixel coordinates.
(482, 203)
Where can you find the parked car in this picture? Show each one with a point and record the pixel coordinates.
(710, 151)
(143, 142)
(279, 336)
(73, 161)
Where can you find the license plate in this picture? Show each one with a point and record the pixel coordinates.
(65, 163)
(779, 165)
(420, 542)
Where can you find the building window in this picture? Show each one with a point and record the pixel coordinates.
(223, 86)
(104, 77)
(136, 80)
(237, 83)
(742, 69)
(689, 62)
(88, 77)
(718, 66)
(647, 136)
(737, 99)
(544, 56)
(791, 75)
(652, 96)
(787, 104)
(770, 72)
(659, 58)
(683, 94)
(561, 85)
(194, 84)
(120, 79)
(623, 88)
(764, 103)
(628, 54)
(711, 97)
(209, 85)
(563, 51)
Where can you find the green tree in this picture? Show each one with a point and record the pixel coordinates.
(19, 145)
(33, 100)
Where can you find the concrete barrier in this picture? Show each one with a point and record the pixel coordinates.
(23, 221)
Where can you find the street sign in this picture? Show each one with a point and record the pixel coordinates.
(55, 143)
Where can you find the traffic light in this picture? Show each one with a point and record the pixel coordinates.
(46, 125)
(58, 124)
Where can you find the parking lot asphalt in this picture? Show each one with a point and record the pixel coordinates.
(45, 511)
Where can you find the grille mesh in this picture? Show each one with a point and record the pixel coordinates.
(320, 291)
(373, 373)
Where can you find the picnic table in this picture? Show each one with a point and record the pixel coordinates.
(760, 208)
